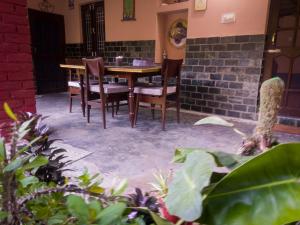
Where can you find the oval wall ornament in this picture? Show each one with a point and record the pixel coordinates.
(178, 33)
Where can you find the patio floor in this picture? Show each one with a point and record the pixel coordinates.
(134, 153)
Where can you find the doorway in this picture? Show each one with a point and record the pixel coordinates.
(48, 51)
(282, 57)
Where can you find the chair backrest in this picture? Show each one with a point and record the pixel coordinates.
(171, 68)
(94, 67)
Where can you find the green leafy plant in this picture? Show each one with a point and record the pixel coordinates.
(212, 188)
(139, 200)
(31, 191)
(264, 189)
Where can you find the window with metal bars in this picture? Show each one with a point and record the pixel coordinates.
(93, 28)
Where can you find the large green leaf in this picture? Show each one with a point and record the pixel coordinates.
(29, 180)
(184, 197)
(9, 112)
(94, 210)
(2, 149)
(109, 215)
(120, 188)
(36, 163)
(78, 208)
(15, 164)
(265, 190)
(57, 219)
(223, 159)
(214, 120)
(158, 220)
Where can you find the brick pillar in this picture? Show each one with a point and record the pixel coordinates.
(16, 77)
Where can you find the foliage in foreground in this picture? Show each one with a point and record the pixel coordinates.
(264, 189)
(34, 190)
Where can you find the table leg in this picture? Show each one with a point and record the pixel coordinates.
(131, 81)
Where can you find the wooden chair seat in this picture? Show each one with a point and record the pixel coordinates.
(155, 90)
(109, 88)
(74, 84)
(74, 89)
(157, 95)
(99, 95)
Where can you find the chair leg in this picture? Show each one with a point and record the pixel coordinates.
(178, 109)
(118, 107)
(88, 113)
(107, 107)
(103, 107)
(163, 116)
(82, 100)
(136, 110)
(70, 103)
(153, 111)
(113, 109)
(129, 105)
(82, 105)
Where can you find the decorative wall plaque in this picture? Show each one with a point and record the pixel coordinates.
(200, 5)
(71, 4)
(178, 33)
(128, 10)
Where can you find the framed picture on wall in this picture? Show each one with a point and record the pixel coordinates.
(71, 4)
(178, 33)
(128, 10)
(200, 5)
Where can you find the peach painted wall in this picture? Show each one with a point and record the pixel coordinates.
(160, 37)
(251, 18)
(144, 28)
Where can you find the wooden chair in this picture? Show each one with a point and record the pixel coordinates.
(100, 94)
(157, 95)
(75, 84)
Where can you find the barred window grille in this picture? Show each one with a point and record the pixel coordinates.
(93, 28)
(100, 29)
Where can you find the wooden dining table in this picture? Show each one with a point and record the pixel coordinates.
(131, 73)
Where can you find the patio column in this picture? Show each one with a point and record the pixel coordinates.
(16, 77)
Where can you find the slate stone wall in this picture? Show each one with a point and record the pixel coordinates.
(74, 51)
(128, 49)
(222, 74)
(290, 121)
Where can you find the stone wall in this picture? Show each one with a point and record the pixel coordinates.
(222, 74)
(16, 77)
(128, 49)
(290, 121)
(74, 51)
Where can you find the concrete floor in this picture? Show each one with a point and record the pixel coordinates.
(135, 153)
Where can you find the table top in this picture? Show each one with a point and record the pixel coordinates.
(124, 69)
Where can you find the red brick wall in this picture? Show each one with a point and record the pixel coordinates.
(16, 77)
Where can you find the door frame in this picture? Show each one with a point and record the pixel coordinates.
(271, 51)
